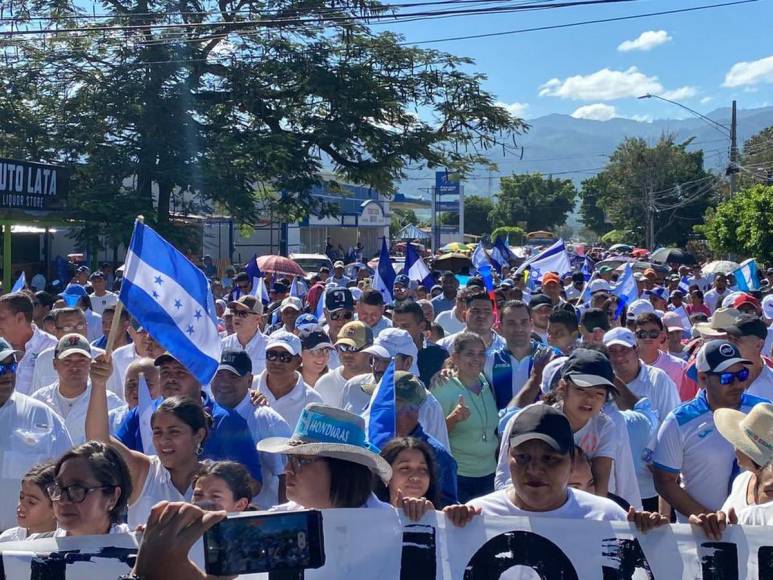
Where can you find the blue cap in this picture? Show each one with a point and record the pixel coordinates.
(403, 280)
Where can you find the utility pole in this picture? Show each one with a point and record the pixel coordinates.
(435, 231)
(733, 151)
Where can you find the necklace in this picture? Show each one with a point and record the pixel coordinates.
(482, 414)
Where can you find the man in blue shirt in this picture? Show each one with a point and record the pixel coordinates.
(229, 436)
(410, 394)
(447, 299)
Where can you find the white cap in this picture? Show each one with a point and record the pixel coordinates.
(599, 285)
(397, 341)
(767, 307)
(621, 336)
(378, 350)
(291, 302)
(640, 306)
(672, 321)
(285, 340)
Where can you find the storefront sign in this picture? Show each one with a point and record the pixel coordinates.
(35, 186)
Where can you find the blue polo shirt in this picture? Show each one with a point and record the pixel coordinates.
(446, 466)
(229, 436)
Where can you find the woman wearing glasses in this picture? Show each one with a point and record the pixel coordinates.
(315, 355)
(90, 492)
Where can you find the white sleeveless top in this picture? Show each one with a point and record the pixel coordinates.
(158, 487)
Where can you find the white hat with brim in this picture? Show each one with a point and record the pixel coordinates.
(322, 430)
(721, 320)
(378, 350)
(751, 433)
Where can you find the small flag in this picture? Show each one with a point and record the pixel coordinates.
(384, 278)
(587, 269)
(625, 290)
(294, 288)
(552, 259)
(746, 279)
(252, 268)
(145, 408)
(480, 257)
(21, 283)
(382, 413)
(416, 269)
(684, 285)
(259, 290)
(501, 254)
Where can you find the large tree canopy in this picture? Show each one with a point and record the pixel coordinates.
(171, 107)
(542, 202)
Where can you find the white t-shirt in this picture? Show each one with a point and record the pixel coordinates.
(712, 299)
(39, 342)
(757, 515)
(655, 385)
(265, 422)
(93, 325)
(690, 444)
(99, 303)
(330, 387)
(449, 322)
(158, 487)
(45, 374)
(255, 348)
(579, 505)
(73, 410)
(291, 405)
(763, 384)
(31, 434)
(738, 493)
(16, 534)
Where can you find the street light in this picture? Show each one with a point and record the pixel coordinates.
(724, 128)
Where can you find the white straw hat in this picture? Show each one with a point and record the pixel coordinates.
(751, 433)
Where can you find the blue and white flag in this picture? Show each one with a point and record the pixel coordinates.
(320, 310)
(145, 409)
(384, 278)
(252, 268)
(20, 283)
(746, 279)
(625, 289)
(587, 268)
(480, 257)
(416, 269)
(534, 276)
(501, 254)
(684, 285)
(552, 259)
(171, 298)
(294, 288)
(381, 416)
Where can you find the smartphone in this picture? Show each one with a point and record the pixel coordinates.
(253, 542)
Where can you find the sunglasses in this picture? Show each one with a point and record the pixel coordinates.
(729, 378)
(279, 355)
(348, 348)
(242, 313)
(345, 315)
(647, 334)
(8, 368)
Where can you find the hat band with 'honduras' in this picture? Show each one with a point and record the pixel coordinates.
(316, 427)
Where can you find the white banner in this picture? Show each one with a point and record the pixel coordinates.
(374, 545)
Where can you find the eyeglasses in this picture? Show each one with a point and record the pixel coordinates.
(345, 314)
(647, 334)
(298, 463)
(243, 313)
(729, 378)
(71, 327)
(74, 493)
(348, 348)
(8, 368)
(277, 355)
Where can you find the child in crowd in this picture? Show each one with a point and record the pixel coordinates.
(35, 512)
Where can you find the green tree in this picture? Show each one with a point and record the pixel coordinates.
(542, 202)
(743, 224)
(757, 159)
(515, 234)
(476, 215)
(233, 105)
(401, 218)
(664, 182)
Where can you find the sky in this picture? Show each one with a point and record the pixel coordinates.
(702, 59)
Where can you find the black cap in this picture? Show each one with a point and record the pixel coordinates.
(748, 326)
(337, 298)
(716, 356)
(544, 423)
(589, 368)
(316, 340)
(236, 361)
(540, 300)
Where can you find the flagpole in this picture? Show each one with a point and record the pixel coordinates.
(116, 324)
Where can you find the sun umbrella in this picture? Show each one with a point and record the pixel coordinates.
(455, 247)
(672, 256)
(453, 262)
(639, 252)
(620, 248)
(280, 265)
(723, 266)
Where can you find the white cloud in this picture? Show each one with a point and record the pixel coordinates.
(705, 100)
(750, 73)
(646, 41)
(641, 118)
(515, 109)
(596, 112)
(680, 93)
(603, 85)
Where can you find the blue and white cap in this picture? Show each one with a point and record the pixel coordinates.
(306, 323)
(330, 432)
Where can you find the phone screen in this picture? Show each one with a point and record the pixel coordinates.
(248, 543)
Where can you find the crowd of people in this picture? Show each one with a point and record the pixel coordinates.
(517, 401)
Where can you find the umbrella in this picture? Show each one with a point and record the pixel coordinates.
(280, 265)
(620, 248)
(639, 252)
(618, 263)
(453, 262)
(672, 256)
(455, 247)
(724, 266)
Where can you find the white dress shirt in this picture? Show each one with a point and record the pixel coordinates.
(291, 405)
(39, 342)
(255, 348)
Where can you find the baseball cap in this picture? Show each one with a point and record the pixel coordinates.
(578, 277)
(767, 306)
(599, 285)
(409, 389)
(72, 344)
(397, 341)
(745, 298)
(97, 274)
(316, 340)
(403, 280)
(378, 350)
(84, 269)
(604, 269)
(291, 302)
(672, 322)
(280, 287)
(550, 278)
(247, 303)
(729, 300)
(507, 282)
(621, 336)
(544, 423)
(285, 340)
(640, 306)
(540, 300)
(657, 292)
(748, 325)
(162, 358)
(717, 355)
(338, 298)
(720, 321)
(306, 323)
(338, 264)
(356, 334)
(589, 368)
(236, 361)
(650, 273)
(6, 349)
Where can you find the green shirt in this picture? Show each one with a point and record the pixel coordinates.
(473, 441)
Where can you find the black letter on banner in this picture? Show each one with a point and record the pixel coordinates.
(719, 560)
(510, 549)
(627, 556)
(419, 560)
(765, 563)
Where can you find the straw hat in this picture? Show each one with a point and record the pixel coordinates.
(718, 324)
(751, 433)
(330, 432)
